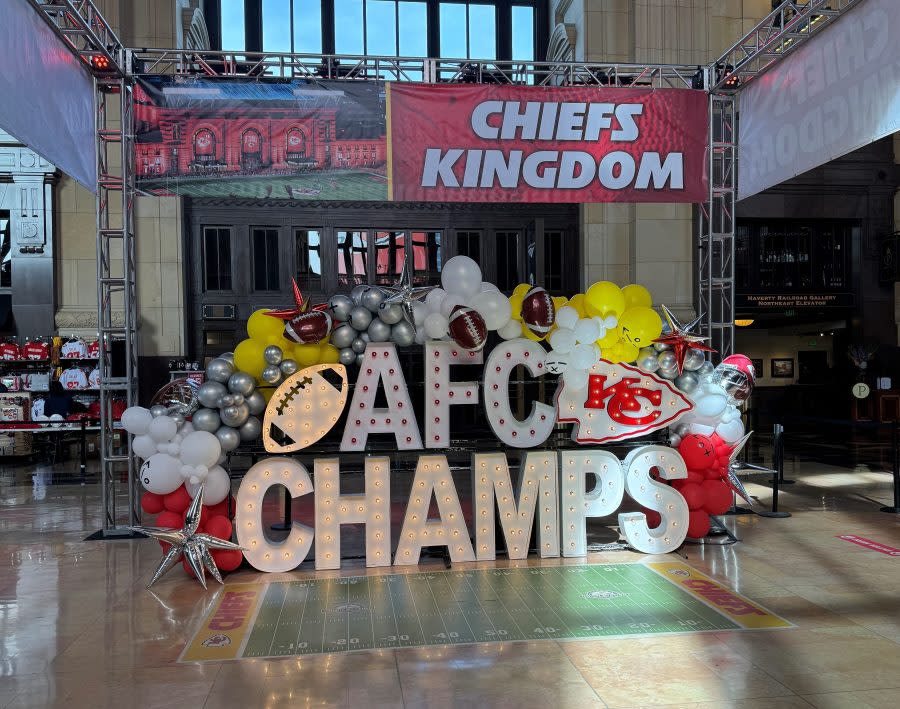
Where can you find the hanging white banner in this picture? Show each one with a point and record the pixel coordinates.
(47, 94)
(838, 92)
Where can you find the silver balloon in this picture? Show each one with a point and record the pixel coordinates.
(210, 393)
(207, 420)
(693, 360)
(347, 356)
(403, 334)
(661, 346)
(359, 359)
(256, 402)
(289, 367)
(219, 370)
(379, 331)
(271, 374)
(226, 400)
(251, 429)
(237, 399)
(229, 438)
(177, 418)
(668, 360)
(343, 336)
(241, 383)
(706, 368)
(222, 458)
(227, 356)
(178, 397)
(273, 354)
(364, 336)
(358, 345)
(235, 415)
(360, 318)
(158, 410)
(372, 299)
(390, 313)
(670, 374)
(648, 362)
(687, 382)
(340, 306)
(357, 292)
(682, 429)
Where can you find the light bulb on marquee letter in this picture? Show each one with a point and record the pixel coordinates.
(653, 495)
(263, 554)
(440, 393)
(433, 477)
(577, 505)
(334, 509)
(381, 366)
(537, 427)
(536, 491)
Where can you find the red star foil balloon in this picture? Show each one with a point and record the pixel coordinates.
(681, 339)
(301, 305)
(619, 402)
(195, 547)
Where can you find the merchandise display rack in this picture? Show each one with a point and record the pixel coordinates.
(81, 28)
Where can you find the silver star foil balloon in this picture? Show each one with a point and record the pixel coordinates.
(405, 295)
(195, 547)
(735, 466)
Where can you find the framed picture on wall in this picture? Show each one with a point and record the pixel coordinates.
(783, 368)
(757, 363)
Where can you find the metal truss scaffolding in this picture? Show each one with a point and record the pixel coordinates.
(84, 31)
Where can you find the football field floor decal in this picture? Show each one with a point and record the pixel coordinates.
(308, 617)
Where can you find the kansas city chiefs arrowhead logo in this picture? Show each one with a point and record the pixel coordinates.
(620, 402)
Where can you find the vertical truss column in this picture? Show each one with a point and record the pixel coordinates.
(116, 296)
(716, 227)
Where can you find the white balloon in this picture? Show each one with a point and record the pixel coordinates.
(436, 326)
(434, 298)
(566, 317)
(57, 419)
(200, 448)
(136, 420)
(511, 330)
(461, 276)
(731, 431)
(450, 302)
(187, 471)
(186, 428)
(161, 473)
(421, 336)
(494, 307)
(576, 379)
(586, 330)
(143, 446)
(487, 286)
(420, 312)
(583, 357)
(562, 341)
(610, 321)
(710, 406)
(162, 429)
(216, 486)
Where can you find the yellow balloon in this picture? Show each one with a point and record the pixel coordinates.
(528, 334)
(515, 302)
(248, 357)
(577, 302)
(521, 289)
(627, 351)
(264, 327)
(267, 392)
(604, 298)
(329, 354)
(639, 326)
(612, 337)
(559, 302)
(307, 355)
(612, 354)
(636, 295)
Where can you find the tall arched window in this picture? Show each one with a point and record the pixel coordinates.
(295, 146)
(251, 149)
(204, 146)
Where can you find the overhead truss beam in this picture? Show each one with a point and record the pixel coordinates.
(86, 33)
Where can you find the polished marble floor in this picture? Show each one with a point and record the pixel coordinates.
(78, 628)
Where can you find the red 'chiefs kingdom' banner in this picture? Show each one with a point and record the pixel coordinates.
(489, 143)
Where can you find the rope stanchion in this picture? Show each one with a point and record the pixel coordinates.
(895, 464)
(778, 478)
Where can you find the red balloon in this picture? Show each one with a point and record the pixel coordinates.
(698, 451)
(718, 497)
(219, 509)
(694, 476)
(169, 520)
(694, 495)
(714, 473)
(178, 501)
(152, 503)
(227, 559)
(219, 526)
(653, 518)
(717, 440)
(698, 525)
